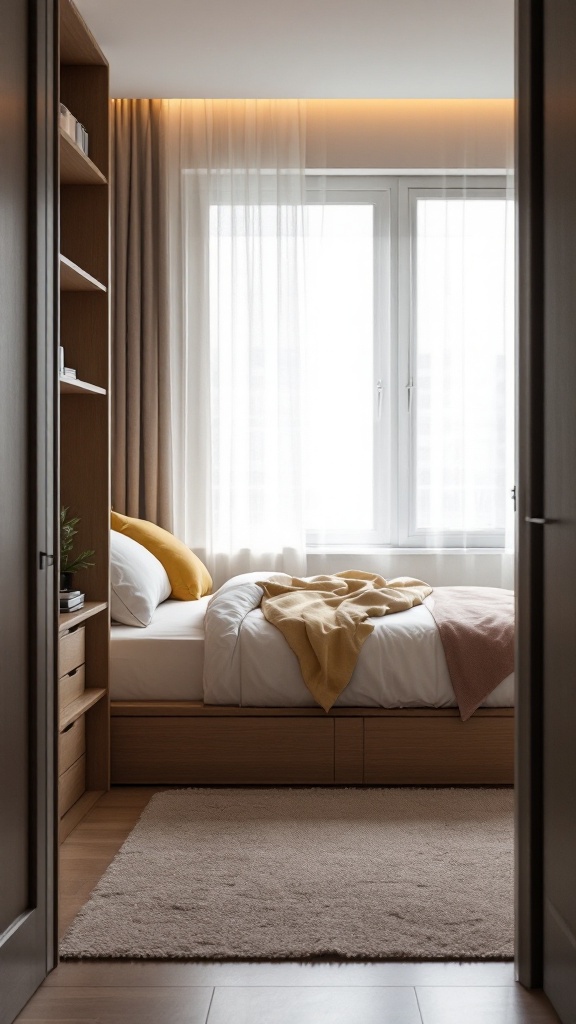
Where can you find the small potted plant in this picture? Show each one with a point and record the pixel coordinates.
(68, 563)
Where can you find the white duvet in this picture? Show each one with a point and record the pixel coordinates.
(247, 661)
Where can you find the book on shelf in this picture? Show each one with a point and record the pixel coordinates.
(69, 595)
(81, 137)
(73, 128)
(68, 371)
(72, 608)
(67, 121)
(72, 605)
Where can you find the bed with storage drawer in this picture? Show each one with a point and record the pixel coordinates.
(170, 724)
(208, 691)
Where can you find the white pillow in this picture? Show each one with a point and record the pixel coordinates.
(139, 582)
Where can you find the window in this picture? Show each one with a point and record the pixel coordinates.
(408, 365)
(410, 360)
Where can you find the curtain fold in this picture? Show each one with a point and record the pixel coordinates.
(235, 187)
(141, 418)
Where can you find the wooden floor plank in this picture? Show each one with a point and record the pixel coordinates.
(484, 1006)
(118, 1006)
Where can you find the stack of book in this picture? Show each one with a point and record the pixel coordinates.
(73, 128)
(71, 600)
(69, 372)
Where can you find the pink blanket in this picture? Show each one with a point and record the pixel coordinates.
(476, 626)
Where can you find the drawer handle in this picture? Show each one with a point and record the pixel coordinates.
(67, 729)
(73, 672)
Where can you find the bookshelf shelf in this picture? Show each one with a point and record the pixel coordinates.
(77, 44)
(71, 386)
(80, 706)
(74, 279)
(68, 620)
(75, 167)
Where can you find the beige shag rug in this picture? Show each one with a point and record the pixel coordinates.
(282, 874)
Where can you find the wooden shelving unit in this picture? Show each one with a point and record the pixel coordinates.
(84, 422)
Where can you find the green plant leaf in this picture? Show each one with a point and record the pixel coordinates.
(67, 533)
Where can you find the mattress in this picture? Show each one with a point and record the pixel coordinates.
(165, 661)
(162, 661)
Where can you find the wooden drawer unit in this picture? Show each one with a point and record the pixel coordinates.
(72, 785)
(71, 650)
(414, 751)
(71, 744)
(212, 751)
(70, 687)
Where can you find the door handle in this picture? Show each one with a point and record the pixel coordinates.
(538, 522)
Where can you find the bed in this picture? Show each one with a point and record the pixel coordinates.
(196, 700)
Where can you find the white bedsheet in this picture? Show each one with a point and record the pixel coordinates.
(248, 662)
(162, 661)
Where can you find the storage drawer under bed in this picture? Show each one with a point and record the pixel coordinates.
(168, 742)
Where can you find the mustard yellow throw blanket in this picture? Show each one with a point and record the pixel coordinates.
(323, 619)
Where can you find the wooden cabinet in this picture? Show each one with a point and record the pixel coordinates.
(84, 415)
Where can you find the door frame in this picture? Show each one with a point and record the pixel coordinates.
(530, 493)
(43, 426)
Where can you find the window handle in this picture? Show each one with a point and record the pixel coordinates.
(379, 390)
(409, 388)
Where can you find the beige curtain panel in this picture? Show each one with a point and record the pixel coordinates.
(141, 434)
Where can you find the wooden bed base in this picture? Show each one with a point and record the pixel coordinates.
(187, 742)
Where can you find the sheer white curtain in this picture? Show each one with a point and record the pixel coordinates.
(235, 188)
(462, 368)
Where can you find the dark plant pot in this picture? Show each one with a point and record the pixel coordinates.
(66, 581)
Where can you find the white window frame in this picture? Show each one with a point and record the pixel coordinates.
(410, 189)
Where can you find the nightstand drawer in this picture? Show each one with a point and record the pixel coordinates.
(71, 744)
(70, 687)
(71, 651)
(72, 785)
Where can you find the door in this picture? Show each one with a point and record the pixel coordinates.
(546, 951)
(26, 502)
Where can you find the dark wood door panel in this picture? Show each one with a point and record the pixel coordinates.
(26, 496)
(14, 498)
(559, 507)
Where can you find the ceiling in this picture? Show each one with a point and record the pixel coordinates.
(331, 49)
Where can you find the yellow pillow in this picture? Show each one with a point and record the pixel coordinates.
(189, 577)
